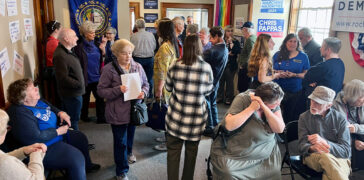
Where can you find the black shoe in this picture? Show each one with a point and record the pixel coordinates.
(101, 122)
(93, 168)
(91, 146)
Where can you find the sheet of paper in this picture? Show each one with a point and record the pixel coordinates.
(133, 83)
(4, 62)
(28, 27)
(2, 7)
(12, 7)
(18, 63)
(25, 7)
(14, 31)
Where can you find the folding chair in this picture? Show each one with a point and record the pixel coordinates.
(295, 162)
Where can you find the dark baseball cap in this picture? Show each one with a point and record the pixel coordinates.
(248, 24)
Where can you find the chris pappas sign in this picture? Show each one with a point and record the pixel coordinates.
(274, 27)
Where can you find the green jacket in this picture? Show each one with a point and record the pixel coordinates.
(245, 52)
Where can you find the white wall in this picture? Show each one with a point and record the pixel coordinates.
(61, 13)
(352, 69)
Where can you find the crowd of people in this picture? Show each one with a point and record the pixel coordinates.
(190, 70)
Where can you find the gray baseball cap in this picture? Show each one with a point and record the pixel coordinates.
(322, 95)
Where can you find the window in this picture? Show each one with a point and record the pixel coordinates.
(315, 15)
(200, 16)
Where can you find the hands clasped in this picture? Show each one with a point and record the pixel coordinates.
(319, 144)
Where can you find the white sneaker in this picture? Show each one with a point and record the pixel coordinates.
(161, 147)
(161, 139)
(122, 177)
(131, 158)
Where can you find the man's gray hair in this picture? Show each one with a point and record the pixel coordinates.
(353, 90)
(206, 30)
(269, 92)
(306, 32)
(111, 29)
(140, 23)
(192, 28)
(177, 20)
(333, 43)
(87, 27)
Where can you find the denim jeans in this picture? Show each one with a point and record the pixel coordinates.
(212, 119)
(123, 143)
(148, 65)
(72, 106)
(71, 154)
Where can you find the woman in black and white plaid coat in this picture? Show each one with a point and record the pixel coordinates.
(190, 80)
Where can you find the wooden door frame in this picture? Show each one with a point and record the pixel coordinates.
(136, 6)
(209, 7)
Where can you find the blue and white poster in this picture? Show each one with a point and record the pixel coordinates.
(274, 27)
(151, 29)
(102, 13)
(348, 16)
(150, 4)
(271, 6)
(150, 17)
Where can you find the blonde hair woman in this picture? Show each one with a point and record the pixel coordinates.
(260, 66)
(11, 165)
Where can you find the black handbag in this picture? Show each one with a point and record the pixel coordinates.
(138, 113)
(157, 115)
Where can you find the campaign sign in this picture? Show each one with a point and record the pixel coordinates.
(271, 6)
(150, 4)
(151, 29)
(274, 27)
(150, 17)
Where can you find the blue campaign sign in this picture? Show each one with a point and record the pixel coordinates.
(150, 17)
(150, 4)
(271, 6)
(151, 29)
(274, 27)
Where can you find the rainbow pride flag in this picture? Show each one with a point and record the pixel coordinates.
(223, 9)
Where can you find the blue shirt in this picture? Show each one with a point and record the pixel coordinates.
(297, 65)
(93, 61)
(46, 119)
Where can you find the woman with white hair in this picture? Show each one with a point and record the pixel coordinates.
(11, 165)
(91, 53)
(350, 101)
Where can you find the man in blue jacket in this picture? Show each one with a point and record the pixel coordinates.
(217, 57)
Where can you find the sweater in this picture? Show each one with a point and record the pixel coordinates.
(12, 167)
(217, 57)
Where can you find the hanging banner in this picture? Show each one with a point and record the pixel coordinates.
(348, 16)
(102, 13)
(357, 47)
(271, 6)
(274, 27)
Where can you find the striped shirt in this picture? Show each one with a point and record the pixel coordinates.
(187, 113)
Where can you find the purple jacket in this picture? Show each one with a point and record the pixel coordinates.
(117, 111)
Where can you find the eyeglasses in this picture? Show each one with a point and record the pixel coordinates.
(55, 22)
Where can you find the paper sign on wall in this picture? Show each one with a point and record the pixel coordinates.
(274, 27)
(12, 7)
(18, 63)
(2, 7)
(4, 62)
(25, 7)
(271, 6)
(348, 16)
(14, 31)
(28, 27)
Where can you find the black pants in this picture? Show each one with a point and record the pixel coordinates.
(243, 79)
(100, 104)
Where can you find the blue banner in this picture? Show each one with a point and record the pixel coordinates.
(102, 13)
(274, 27)
(271, 6)
(150, 17)
(150, 4)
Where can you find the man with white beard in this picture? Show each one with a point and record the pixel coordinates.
(324, 137)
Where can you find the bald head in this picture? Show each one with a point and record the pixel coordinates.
(68, 38)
